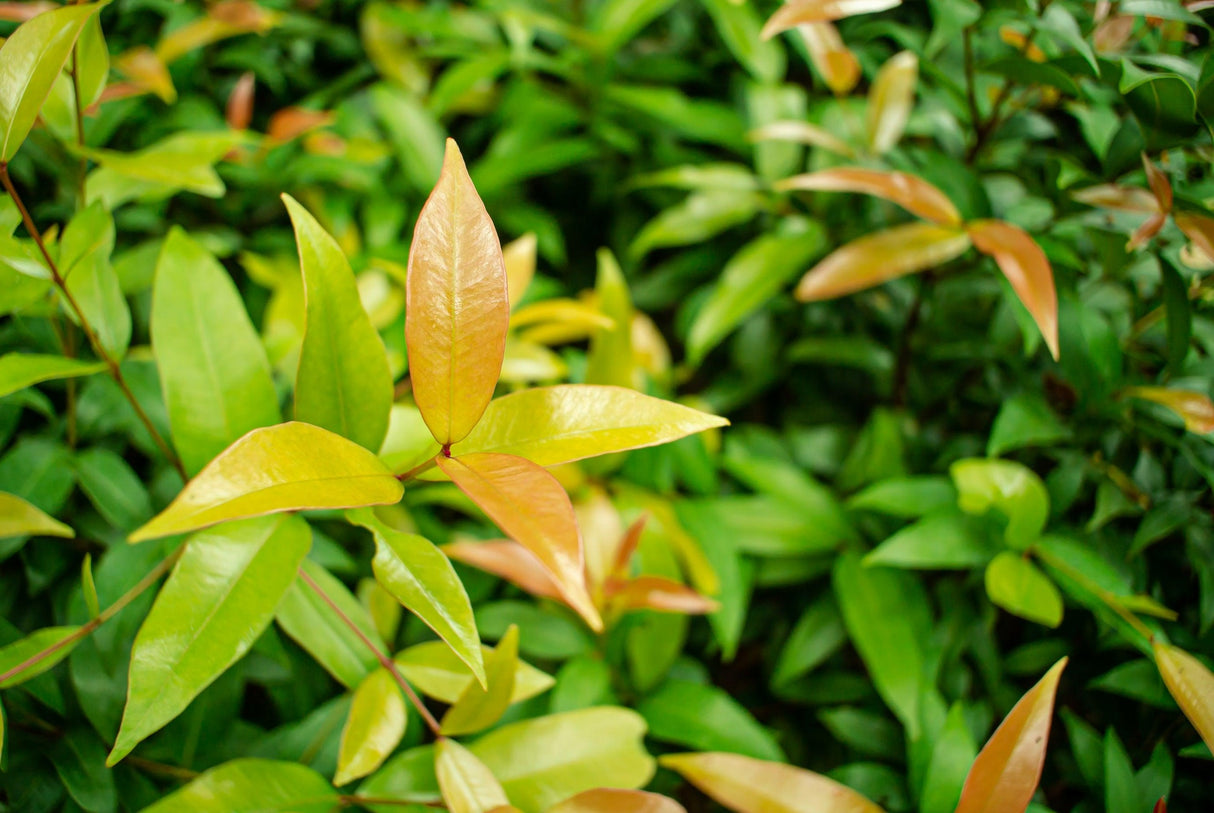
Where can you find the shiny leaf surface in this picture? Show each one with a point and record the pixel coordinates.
(1027, 269)
(1008, 487)
(467, 785)
(1194, 408)
(18, 652)
(18, 518)
(374, 728)
(610, 358)
(1015, 584)
(21, 370)
(617, 800)
(508, 560)
(1191, 684)
(436, 672)
(479, 707)
(252, 786)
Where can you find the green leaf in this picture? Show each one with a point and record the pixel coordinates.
(1010, 488)
(19, 518)
(344, 383)
(1180, 318)
(1025, 420)
(375, 727)
(1015, 584)
(252, 786)
(89, 586)
(468, 785)
(183, 161)
(739, 26)
(417, 573)
(706, 718)
(92, 63)
(610, 358)
(59, 639)
(435, 670)
(952, 754)
(21, 370)
(867, 732)
(79, 760)
(697, 218)
(219, 598)
(618, 21)
(479, 707)
(1028, 72)
(30, 61)
(213, 369)
(289, 467)
(114, 488)
(406, 777)
(542, 761)
(944, 540)
(907, 497)
(818, 634)
(1121, 794)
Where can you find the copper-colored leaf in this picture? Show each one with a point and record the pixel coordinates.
(799, 12)
(1006, 772)
(531, 507)
(750, 785)
(881, 257)
(890, 101)
(1192, 686)
(147, 73)
(1195, 408)
(457, 310)
(508, 560)
(1113, 33)
(1121, 198)
(1161, 806)
(1149, 228)
(239, 111)
(1199, 229)
(20, 12)
(292, 122)
(658, 593)
(617, 800)
(1161, 187)
(832, 59)
(628, 546)
(1026, 267)
(910, 192)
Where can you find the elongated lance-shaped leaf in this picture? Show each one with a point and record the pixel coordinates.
(832, 58)
(800, 12)
(660, 594)
(1005, 775)
(890, 101)
(20, 518)
(801, 132)
(911, 192)
(533, 509)
(457, 307)
(218, 600)
(344, 383)
(21, 370)
(374, 728)
(18, 652)
(421, 578)
(880, 257)
(1194, 408)
(1026, 267)
(30, 62)
(508, 560)
(617, 800)
(749, 785)
(519, 256)
(252, 786)
(434, 670)
(610, 360)
(480, 707)
(467, 785)
(1192, 686)
(560, 424)
(289, 467)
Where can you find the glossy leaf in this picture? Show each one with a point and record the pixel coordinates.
(252, 786)
(617, 800)
(220, 597)
(554, 425)
(799, 12)
(910, 192)
(507, 560)
(457, 308)
(289, 467)
(1027, 269)
(951, 756)
(943, 540)
(890, 101)
(421, 578)
(706, 718)
(881, 257)
(468, 786)
(1015, 584)
(20, 518)
(21, 370)
(1005, 775)
(374, 728)
(213, 371)
(1010, 488)
(749, 785)
(479, 707)
(84, 263)
(18, 652)
(1191, 684)
(343, 383)
(1194, 408)
(436, 672)
(531, 507)
(610, 359)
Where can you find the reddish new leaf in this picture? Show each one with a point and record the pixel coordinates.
(1195, 408)
(1005, 775)
(1026, 267)
(1149, 228)
(239, 111)
(657, 593)
(799, 12)
(1161, 187)
(1121, 198)
(628, 546)
(910, 192)
(617, 800)
(292, 122)
(508, 560)
(1200, 230)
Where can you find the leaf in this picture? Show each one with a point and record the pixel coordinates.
(532, 508)
(818, 634)
(479, 707)
(610, 357)
(700, 216)
(738, 25)
(20, 518)
(56, 642)
(30, 62)
(1194, 408)
(457, 310)
(1179, 313)
(547, 759)
(147, 73)
(21, 370)
(659, 594)
(1016, 585)
(421, 578)
(213, 370)
(1199, 229)
(436, 672)
(1025, 420)
(1191, 684)
(838, 66)
(1005, 775)
(252, 786)
(1008, 487)
(803, 133)
(220, 597)
(375, 727)
(880, 257)
(1026, 267)
(910, 192)
(343, 383)
(706, 718)
(799, 12)
(951, 756)
(89, 586)
(890, 101)
(84, 263)
(554, 425)
(222, 20)
(467, 785)
(749, 785)
(113, 488)
(182, 161)
(519, 258)
(906, 496)
(507, 560)
(943, 540)
(290, 467)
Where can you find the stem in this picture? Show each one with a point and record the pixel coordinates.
(902, 366)
(1109, 599)
(114, 370)
(383, 659)
(109, 612)
(418, 469)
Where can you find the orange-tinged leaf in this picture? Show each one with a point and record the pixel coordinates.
(799, 12)
(750, 785)
(1149, 228)
(224, 19)
(1026, 267)
(832, 59)
(660, 594)
(292, 122)
(519, 256)
(20, 12)
(1018, 40)
(1121, 198)
(239, 111)
(147, 72)
(802, 132)
(509, 560)
(1200, 230)
(1112, 34)
(628, 545)
(531, 507)
(1161, 187)
(1007, 770)
(910, 192)
(1192, 686)
(890, 101)
(1195, 408)
(881, 257)
(467, 785)
(1161, 806)
(457, 310)
(617, 800)
(602, 530)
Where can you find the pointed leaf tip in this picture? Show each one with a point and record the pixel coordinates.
(1191, 684)
(1027, 269)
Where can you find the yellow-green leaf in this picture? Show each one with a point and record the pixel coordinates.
(749, 785)
(30, 62)
(1005, 775)
(890, 101)
(1192, 686)
(181, 161)
(468, 786)
(344, 383)
(1008, 487)
(618, 800)
(911, 192)
(554, 425)
(20, 518)
(89, 586)
(609, 360)
(519, 256)
(533, 509)
(478, 708)
(457, 308)
(374, 728)
(880, 257)
(435, 671)
(56, 642)
(801, 132)
(835, 62)
(221, 21)
(1026, 267)
(510, 561)
(21, 370)
(289, 467)
(252, 786)
(1194, 408)
(800, 12)
(1015, 584)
